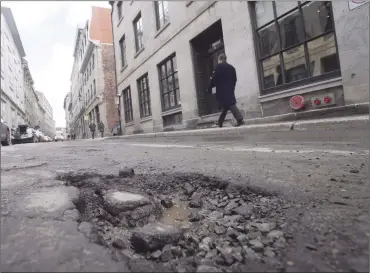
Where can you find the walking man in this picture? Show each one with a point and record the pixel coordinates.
(92, 127)
(101, 128)
(224, 79)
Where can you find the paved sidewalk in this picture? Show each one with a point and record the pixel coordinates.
(351, 123)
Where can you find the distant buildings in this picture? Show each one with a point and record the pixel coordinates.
(20, 102)
(67, 105)
(92, 96)
(46, 121)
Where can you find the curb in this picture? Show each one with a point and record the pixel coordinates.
(344, 123)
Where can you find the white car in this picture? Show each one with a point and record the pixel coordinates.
(59, 138)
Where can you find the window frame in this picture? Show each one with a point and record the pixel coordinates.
(161, 79)
(127, 105)
(144, 93)
(122, 46)
(275, 21)
(160, 24)
(139, 43)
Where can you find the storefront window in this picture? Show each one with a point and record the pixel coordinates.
(296, 43)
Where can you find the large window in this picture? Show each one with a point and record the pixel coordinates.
(144, 96)
(138, 30)
(169, 83)
(122, 46)
(161, 13)
(127, 104)
(295, 43)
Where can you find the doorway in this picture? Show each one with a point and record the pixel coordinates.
(206, 47)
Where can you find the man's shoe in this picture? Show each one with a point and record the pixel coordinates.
(239, 123)
(218, 124)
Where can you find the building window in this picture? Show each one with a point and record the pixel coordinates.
(295, 43)
(172, 119)
(93, 61)
(161, 13)
(122, 46)
(91, 90)
(144, 96)
(120, 9)
(127, 104)
(3, 109)
(138, 30)
(169, 83)
(94, 87)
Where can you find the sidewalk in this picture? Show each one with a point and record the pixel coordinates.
(353, 123)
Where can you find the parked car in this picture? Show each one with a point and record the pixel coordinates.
(59, 137)
(40, 135)
(5, 133)
(25, 134)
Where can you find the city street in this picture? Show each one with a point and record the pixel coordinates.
(307, 203)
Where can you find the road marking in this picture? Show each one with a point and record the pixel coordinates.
(270, 150)
(160, 145)
(251, 149)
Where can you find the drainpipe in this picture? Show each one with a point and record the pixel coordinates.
(115, 69)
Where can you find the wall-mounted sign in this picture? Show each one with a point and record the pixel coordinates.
(356, 3)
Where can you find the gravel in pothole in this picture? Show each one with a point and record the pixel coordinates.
(181, 223)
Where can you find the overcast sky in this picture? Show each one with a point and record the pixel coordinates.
(48, 30)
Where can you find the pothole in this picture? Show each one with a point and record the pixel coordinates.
(181, 223)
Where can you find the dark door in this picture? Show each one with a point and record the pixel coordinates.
(212, 61)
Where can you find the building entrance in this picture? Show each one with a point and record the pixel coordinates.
(206, 47)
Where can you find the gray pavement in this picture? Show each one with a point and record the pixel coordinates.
(327, 179)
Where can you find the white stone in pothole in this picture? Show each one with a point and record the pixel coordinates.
(50, 200)
(124, 201)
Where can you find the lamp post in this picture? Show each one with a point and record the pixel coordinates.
(117, 101)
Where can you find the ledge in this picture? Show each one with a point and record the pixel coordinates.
(302, 89)
(131, 123)
(145, 119)
(138, 53)
(188, 3)
(123, 68)
(119, 22)
(172, 111)
(159, 31)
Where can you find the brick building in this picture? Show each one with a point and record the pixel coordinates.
(93, 77)
(166, 51)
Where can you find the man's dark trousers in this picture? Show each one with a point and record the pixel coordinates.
(234, 110)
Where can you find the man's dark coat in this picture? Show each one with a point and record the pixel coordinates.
(224, 79)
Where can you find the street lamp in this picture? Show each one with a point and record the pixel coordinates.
(117, 101)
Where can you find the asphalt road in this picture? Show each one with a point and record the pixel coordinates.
(328, 182)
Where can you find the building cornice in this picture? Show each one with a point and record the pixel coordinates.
(8, 15)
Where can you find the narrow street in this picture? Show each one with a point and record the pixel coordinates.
(308, 205)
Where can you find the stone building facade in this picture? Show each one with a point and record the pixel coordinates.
(46, 120)
(165, 52)
(67, 106)
(12, 90)
(30, 96)
(93, 76)
(20, 102)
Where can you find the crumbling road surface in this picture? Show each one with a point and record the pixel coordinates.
(184, 206)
